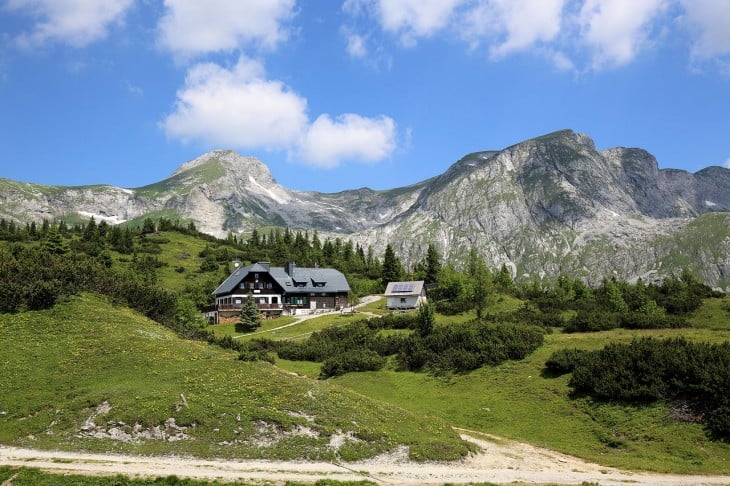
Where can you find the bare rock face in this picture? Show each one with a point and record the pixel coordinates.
(554, 204)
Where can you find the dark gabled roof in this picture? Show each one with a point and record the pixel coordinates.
(302, 279)
(414, 287)
(311, 280)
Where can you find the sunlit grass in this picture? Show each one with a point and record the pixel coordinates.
(713, 314)
(518, 401)
(59, 365)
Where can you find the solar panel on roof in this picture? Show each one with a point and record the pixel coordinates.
(403, 287)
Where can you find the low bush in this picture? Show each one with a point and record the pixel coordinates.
(356, 360)
(592, 321)
(459, 347)
(565, 360)
(651, 369)
(468, 346)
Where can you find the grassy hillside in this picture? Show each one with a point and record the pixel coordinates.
(519, 400)
(87, 375)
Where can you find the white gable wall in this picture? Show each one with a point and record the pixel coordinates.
(404, 301)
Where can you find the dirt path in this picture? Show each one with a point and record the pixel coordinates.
(363, 301)
(499, 462)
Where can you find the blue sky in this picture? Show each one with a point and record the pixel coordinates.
(336, 95)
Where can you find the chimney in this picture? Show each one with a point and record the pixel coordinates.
(289, 269)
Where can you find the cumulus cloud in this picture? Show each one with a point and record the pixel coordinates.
(192, 27)
(573, 34)
(727, 164)
(236, 107)
(356, 44)
(74, 22)
(615, 30)
(239, 107)
(512, 25)
(710, 22)
(350, 137)
(410, 19)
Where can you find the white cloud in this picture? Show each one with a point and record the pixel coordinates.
(727, 164)
(573, 34)
(561, 61)
(239, 107)
(616, 30)
(236, 107)
(74, 22)
(356, 44)
(410, 19)
(351, 137)
(710, 22)
(515, 25)
(134, 90)
(193, 27)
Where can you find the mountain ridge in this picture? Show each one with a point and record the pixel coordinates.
(551, 204)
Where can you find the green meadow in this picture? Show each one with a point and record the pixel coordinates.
(85, 370)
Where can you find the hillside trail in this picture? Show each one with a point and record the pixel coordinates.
(498, 462)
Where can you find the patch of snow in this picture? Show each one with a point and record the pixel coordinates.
(276, 197)
(710, 204)
(102, 217)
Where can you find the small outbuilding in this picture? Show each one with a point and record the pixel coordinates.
(405, 295)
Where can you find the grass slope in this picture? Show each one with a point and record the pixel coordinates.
(61, 366)
(518, 400)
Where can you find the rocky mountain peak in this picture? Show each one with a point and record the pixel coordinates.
(232, 162)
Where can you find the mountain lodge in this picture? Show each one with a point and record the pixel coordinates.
(287, 290)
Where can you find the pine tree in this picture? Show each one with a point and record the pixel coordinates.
(426, 319)
(433, 264)
(148, 226)
(254, 240)
(614, 299)
(482, 284)
(250, 316)
(392, 268)
(53, 243)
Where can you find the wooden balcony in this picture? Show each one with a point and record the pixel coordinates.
(238, 307)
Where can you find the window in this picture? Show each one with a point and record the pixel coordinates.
(402, 300)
